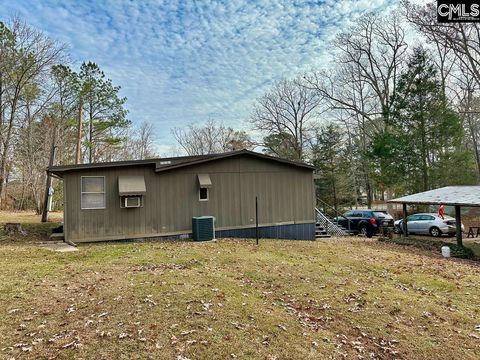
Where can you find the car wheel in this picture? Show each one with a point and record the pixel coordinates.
(435, 231)
(400, 229)
(363, 231)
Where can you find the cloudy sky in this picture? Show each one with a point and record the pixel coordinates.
(188, 61)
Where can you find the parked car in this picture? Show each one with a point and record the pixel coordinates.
(428, 224)
(365, 222)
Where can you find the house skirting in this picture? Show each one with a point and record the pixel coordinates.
(290, 231)
(294, 231)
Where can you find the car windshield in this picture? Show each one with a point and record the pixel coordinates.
(379, 214)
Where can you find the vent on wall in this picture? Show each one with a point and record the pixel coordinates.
(203, 228)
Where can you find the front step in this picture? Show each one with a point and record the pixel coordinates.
(321, 233)
(57, 236)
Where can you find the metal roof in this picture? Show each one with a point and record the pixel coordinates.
(449, 195)
(164, 164)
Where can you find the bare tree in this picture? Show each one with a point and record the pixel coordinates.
(462, 38)
(288, 112)
(211, 138)
(373, 50)
(145, 141)
(361, 82)
(350, 98)
(27, 56)
(139, 143)
(467, 96)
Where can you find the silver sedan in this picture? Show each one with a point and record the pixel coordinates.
(428, 224)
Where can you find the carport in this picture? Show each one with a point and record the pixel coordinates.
(457, 196)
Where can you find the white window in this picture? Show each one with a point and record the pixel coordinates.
(93, 192)
(203, 194)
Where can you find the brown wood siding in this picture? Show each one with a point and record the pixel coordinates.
(284, 193)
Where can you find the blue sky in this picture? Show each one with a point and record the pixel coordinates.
(186, 62)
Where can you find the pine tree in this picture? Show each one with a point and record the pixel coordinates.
(104, 110)
(424, 131)
(328, 159)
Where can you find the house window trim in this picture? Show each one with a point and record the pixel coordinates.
(208, 194)
(90, 192)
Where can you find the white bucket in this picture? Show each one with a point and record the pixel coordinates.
(446, 251)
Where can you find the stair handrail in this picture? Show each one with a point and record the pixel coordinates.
(329, 226)
(336, 213)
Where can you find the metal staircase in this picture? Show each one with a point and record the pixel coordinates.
(327, 226)
(320, 231)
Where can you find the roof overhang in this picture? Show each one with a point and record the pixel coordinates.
(131, 185)
(166, 164)
(449, 195)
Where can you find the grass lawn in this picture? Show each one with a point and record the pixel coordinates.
(347, 298)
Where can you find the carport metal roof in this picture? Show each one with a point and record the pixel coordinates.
(457, 196)
(449, 195)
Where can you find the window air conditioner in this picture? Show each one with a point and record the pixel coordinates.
(132, 201)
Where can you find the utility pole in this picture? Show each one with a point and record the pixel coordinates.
(48, 185)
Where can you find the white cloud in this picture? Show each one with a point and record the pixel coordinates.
(187, 62)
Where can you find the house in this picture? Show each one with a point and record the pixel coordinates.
(158, 198)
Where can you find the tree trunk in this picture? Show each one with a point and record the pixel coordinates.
(79, 133)
(4, 156)
(90, 138)
(48, 183)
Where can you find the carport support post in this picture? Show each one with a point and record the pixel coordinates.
(405, 229)
(458, 223)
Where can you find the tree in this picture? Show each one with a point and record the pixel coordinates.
(105, 112)
(286, 114)
(211, 138)
(425, 132)
(327, 158)
(462, 38)
(470, 112)
(144, 141)
(361, 83)
(279, 145)
(139, 143)
(373, 49)
(64, 110)
(40, 97)
(26, 56)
